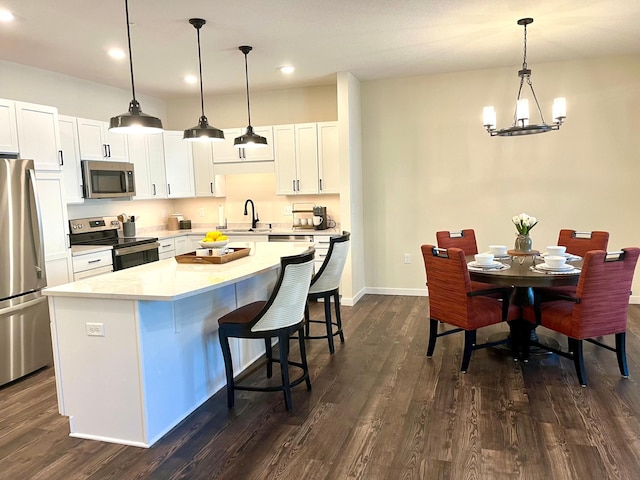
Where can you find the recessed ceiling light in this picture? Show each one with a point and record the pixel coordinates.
(191, 79)
(287, 69)
(6, 16)
(116, 53)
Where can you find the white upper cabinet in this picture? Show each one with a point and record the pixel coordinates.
(296, 153)
(207, 183)
(146, 152)
(8, 131)
(328, 155)
(39, 135)
(226, 152)
(98, 143)
(71, 173)
(178, 160)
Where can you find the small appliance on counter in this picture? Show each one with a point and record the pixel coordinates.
(320, 218)
(185, 224)
(173, 223)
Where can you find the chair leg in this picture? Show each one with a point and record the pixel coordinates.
(303, 356)
(327, 319)
(306, 319)
(336, 302)
(269, 356)
(621, 353)
(578, 360)
(228, 367)
(469, 342)
(433, 335)
(284, 369)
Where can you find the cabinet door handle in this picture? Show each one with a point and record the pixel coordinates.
(104, 150)
(95, 261)
(320, 184)
(109, 150)
(211, 187)
(154, 188)
(61, 157)
(293, 185)
(168, 188)
(298, 184)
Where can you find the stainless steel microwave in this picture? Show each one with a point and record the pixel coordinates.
(107, 179)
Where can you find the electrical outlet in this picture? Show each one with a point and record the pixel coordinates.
(407, 258)
(164, 213)
(95, 329)
(288, 210)
(201, 212)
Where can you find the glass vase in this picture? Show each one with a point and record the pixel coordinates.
(523, 243)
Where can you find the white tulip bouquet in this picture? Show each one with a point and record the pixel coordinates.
(524, 223)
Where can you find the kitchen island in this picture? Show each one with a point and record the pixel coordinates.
(137, 350)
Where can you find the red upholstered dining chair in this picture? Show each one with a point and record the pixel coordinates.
(466, 241)
(452, 301)
(280, 316)
(579, 243)
(598, 308)
(462, 239)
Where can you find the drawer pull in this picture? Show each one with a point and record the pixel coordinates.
(95, 261)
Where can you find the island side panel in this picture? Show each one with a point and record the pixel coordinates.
(99, 376)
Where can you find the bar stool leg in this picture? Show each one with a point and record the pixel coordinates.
(303, 356)
(284, 369)
(228, 367)
(336, 300)
(269, 356)
(327, 319)
(306, 319)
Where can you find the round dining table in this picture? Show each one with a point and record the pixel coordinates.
(523, 278)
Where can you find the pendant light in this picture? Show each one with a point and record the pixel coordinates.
(249, 139)
(134, 121)
(521, 124)
(202, 132)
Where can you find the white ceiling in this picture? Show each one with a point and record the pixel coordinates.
(373, 39)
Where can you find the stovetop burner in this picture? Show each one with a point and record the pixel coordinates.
(102, 231)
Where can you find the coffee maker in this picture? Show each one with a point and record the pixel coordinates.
(320, 218)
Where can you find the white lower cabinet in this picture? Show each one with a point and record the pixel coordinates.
(182, 245)
(92, 264)
(321, 244)
(167, 248)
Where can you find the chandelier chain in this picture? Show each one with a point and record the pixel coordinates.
(524, 56)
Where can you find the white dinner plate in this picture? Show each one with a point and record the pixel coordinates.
(492, 265)
(544, 266)
(565, 254)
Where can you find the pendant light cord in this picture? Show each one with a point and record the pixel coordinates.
(200, 66)
(246, 76)
(133, 88)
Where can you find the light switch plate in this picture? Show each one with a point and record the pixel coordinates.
(95, 329)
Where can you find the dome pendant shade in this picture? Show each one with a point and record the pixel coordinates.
(134, 121)
(249, 139)
(202, 132)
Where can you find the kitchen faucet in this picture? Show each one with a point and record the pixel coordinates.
(254, 216)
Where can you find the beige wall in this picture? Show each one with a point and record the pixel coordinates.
(429, 165)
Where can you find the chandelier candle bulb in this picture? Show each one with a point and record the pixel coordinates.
(489, 117)
(522, 109)
(559, 109)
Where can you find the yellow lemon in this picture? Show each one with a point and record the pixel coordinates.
(213, 235)
(221, 238)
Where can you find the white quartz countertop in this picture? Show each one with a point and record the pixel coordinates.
(201, 231)
(168, 280)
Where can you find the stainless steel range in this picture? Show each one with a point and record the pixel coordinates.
(127, 251)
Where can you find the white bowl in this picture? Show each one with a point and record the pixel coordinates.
(555, 261)
(484, 258)
(222, 243)
(498, 250)
(556, 250)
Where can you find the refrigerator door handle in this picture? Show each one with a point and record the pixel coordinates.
(21, 306)
(39, 244)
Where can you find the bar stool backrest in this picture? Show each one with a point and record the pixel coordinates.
(286, 304)
(330, 273)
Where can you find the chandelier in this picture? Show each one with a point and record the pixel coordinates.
(521, 125)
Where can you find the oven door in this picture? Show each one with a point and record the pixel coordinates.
(127, 257)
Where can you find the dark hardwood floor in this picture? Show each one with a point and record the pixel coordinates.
(379, 409)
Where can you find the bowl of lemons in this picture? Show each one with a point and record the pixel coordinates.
(214, 239)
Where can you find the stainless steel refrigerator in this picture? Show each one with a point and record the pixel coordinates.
(25, 336)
